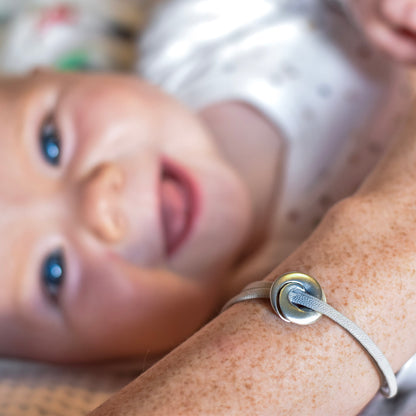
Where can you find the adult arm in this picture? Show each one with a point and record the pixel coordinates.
(248, 362)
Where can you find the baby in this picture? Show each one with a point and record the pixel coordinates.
(121, 217)
(127, 219)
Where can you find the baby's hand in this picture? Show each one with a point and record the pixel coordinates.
(390, 25)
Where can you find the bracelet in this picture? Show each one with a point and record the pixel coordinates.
(298, 298)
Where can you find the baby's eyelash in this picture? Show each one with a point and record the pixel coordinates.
(53, 273)
(50, 142)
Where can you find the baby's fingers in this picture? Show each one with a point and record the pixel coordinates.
(400, 46)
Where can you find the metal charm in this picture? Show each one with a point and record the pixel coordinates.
(279, 298)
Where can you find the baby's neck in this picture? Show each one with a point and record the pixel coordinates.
(254, 146)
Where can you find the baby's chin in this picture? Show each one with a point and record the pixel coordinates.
(219, 238)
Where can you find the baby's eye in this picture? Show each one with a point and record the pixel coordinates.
(53, 273)
(50, 143)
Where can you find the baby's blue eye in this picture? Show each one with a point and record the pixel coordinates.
(50, 143)
(53, 273)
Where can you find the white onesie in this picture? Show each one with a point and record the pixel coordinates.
(306, 67)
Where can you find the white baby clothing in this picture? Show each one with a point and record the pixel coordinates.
(307, 68)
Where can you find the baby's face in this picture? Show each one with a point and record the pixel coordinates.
(118, 218)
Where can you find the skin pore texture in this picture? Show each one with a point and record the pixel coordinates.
(249, 362)
(135, 171)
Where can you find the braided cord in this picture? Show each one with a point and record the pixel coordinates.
(298, 297)
(389, 387)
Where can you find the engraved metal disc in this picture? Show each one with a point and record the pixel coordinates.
(289, 312)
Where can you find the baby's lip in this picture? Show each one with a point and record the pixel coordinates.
(178, 205)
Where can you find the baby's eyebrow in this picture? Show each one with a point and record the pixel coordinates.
(37, 102)
(21, 285)
(12, 294)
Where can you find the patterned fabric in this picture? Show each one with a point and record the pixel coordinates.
(69, 34)
(36, 389)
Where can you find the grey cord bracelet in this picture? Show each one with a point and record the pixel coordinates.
(298, 298)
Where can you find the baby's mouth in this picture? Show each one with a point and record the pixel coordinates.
(177, 205)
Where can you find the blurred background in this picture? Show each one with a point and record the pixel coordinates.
(70, 34)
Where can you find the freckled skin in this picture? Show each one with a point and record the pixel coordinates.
(248, 362)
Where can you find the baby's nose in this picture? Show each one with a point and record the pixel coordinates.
(100, 202)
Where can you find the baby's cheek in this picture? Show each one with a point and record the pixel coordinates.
(391, 10)
(398, 13)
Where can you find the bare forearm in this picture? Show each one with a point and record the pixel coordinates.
(248, 362)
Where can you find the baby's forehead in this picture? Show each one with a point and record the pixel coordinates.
(15, 91)
(13, 254)
(15, 97)
(19, 241)
(14, 222)
(12, 87)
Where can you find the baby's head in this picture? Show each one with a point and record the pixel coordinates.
(118, 218)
